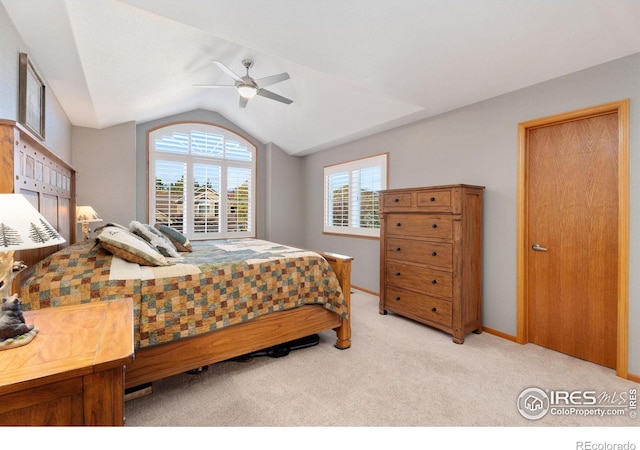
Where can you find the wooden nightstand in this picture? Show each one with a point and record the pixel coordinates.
(72, 373)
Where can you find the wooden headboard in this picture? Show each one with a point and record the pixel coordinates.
(31, 169)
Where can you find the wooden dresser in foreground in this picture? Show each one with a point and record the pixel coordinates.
(431, 256)
(72, 373)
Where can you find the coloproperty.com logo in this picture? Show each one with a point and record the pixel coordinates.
(535, 403)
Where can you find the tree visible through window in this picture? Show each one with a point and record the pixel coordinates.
(351, 196)
(203, 181)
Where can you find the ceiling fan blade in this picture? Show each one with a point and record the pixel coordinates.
(213, 85)
(273, 96)
(273, 79)
(226, 70)
(243, 102)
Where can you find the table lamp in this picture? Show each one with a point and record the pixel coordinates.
(84, 216)
(21, 228)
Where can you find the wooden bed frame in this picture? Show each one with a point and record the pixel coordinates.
(27, 166)
(164, 360)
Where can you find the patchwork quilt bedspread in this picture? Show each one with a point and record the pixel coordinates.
(220, 283)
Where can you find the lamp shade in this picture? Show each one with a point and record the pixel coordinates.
(22, 227)
(87, 214)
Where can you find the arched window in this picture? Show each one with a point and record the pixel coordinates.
(202, 181)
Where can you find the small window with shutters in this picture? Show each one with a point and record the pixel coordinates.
(202, 181)
(351, 196)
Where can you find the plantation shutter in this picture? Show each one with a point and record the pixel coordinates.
(202, 181)
(351, 196)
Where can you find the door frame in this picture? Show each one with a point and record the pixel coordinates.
(620, 107)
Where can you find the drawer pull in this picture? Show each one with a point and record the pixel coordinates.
(396, 200)
(434, 309)
(434, 253)
(435, 225)
(397, 274)
(398, 224)
(398, 298)
(398, 249)
(432, 199)
(434, 281)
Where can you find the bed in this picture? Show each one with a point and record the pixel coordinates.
(80, 273)
(224, 299)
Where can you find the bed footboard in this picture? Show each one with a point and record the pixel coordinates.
(341, 265)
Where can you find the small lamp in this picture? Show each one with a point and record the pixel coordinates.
(85, 215)
(21, 228)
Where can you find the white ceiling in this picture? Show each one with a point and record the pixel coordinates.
(357, 66)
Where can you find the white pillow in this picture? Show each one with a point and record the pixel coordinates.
(130, 247)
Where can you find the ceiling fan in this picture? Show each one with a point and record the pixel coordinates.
(247, 87)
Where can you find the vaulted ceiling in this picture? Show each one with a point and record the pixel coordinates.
(357, 66)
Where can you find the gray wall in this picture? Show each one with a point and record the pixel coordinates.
(286, 210)
(106, 171)
(57, 125)
(478, 145)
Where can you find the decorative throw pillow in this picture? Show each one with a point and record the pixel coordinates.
(155, 238)
(110, 224)
(178, 239)
(130, 247)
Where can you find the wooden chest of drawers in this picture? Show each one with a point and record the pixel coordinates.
(431, 256)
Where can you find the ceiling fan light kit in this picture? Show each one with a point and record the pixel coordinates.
(247, 87)
(246, 90)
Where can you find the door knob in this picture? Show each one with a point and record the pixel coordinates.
(538, 248)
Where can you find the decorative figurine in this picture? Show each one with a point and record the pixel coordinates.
(14, 332)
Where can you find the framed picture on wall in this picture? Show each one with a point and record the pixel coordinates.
(31, 96)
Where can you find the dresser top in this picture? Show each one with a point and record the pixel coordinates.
(444, 186)
(72, 340)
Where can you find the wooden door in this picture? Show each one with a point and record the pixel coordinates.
(572, 222)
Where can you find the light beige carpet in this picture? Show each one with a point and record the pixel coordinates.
(397, 373)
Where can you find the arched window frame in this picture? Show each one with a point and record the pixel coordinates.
(226, 160)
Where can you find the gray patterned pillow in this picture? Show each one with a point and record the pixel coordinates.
(155, 238)
(178, 239)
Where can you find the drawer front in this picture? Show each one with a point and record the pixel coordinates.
(419, 306)
(420, 279)
(420, 225)
(434, 199)
(399, 200)
(438, 254)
